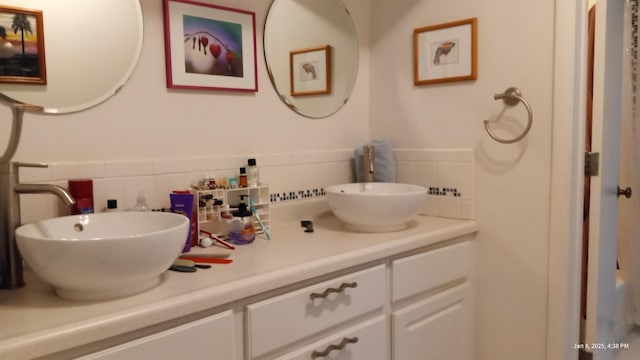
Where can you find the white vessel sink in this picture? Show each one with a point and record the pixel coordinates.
(376, 207)
(103, 256)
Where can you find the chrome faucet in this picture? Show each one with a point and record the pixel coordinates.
(11, 271)
(367, 163)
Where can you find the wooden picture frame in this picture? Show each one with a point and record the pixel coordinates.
(209, 47)
(445, 52)
(310, 71)
(22, 54)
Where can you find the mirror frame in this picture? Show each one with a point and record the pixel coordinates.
(283, 86)
(109, 92)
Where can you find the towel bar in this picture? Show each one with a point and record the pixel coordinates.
(511, 97)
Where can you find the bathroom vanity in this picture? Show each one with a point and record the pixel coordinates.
(399, 295)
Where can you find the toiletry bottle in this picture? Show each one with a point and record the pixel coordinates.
(141, 203)
(252, 173)
(112, 205)
(82, 192)
(243, 177)
(241, 228)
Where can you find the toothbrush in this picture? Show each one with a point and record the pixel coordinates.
(264, 228)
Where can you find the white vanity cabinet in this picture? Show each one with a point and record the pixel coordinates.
(432, 316)
(208, 338)
(414, 305)
(284, 322)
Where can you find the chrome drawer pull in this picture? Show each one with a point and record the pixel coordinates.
(339, 289)
(330, 348)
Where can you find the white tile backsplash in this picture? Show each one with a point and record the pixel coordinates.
(450, 173)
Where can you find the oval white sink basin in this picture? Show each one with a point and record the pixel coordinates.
(103, 256)
(376, 207)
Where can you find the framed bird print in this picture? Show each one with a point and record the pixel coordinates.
(310, 71)
(445, 52)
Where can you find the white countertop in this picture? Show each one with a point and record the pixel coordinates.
(35, 322)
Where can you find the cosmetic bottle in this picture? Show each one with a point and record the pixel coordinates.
(82, 192)
(243, 177)
(141, 203)
(252, 173)
(241, 228)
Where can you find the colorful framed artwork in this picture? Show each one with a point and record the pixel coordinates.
(22, 56)
(209, 47)
(445, 52)
(310, 71)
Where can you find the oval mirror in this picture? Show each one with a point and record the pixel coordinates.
(311, 52)
(90, 50)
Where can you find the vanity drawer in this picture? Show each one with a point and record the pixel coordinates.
(284, 319)
(421, 272)
(188, 341)
(367, 341)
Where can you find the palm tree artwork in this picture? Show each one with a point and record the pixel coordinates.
(21, 24)
(22, 57)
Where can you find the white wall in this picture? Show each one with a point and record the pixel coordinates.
(148, 121)
(512, 181)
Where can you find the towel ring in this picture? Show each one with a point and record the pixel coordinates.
(512, 96)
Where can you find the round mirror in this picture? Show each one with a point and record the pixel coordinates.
(311, 51)
(87, 49)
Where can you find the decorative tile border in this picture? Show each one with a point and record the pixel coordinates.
(297, 195)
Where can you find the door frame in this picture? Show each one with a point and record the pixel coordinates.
(567, 179)
(567, 184)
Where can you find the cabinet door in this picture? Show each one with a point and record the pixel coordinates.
(208, 338)
(436, 328)
(365, 341)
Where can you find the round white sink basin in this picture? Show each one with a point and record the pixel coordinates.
(103, 256)
(376, 207)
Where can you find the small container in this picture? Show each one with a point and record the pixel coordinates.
(141, 203)
(252, 173)
(82, 192)
(209, 181)
(112, 205)
(243, 177)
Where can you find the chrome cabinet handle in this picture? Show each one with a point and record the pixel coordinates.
(328, 291)
(330, 348)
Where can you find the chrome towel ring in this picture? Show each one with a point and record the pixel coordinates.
(512, 96)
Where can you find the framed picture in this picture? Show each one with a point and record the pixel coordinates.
(22, 57)
(445, 52)
(310, 71)
(209, 47)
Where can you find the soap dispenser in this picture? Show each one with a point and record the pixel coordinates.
(241, 228)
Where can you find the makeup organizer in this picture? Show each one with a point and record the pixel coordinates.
(219, 204)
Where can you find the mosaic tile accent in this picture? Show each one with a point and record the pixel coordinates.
(436, 191)
(297, 195)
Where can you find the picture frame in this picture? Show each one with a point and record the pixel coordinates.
(22, 51)
(209, 47)
(445, 52)
(310, 71)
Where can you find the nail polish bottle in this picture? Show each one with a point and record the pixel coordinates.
(243, 177)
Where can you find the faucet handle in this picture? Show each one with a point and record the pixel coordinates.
(18, 164)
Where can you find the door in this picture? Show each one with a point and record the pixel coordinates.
(597, 329)
(435, 328)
